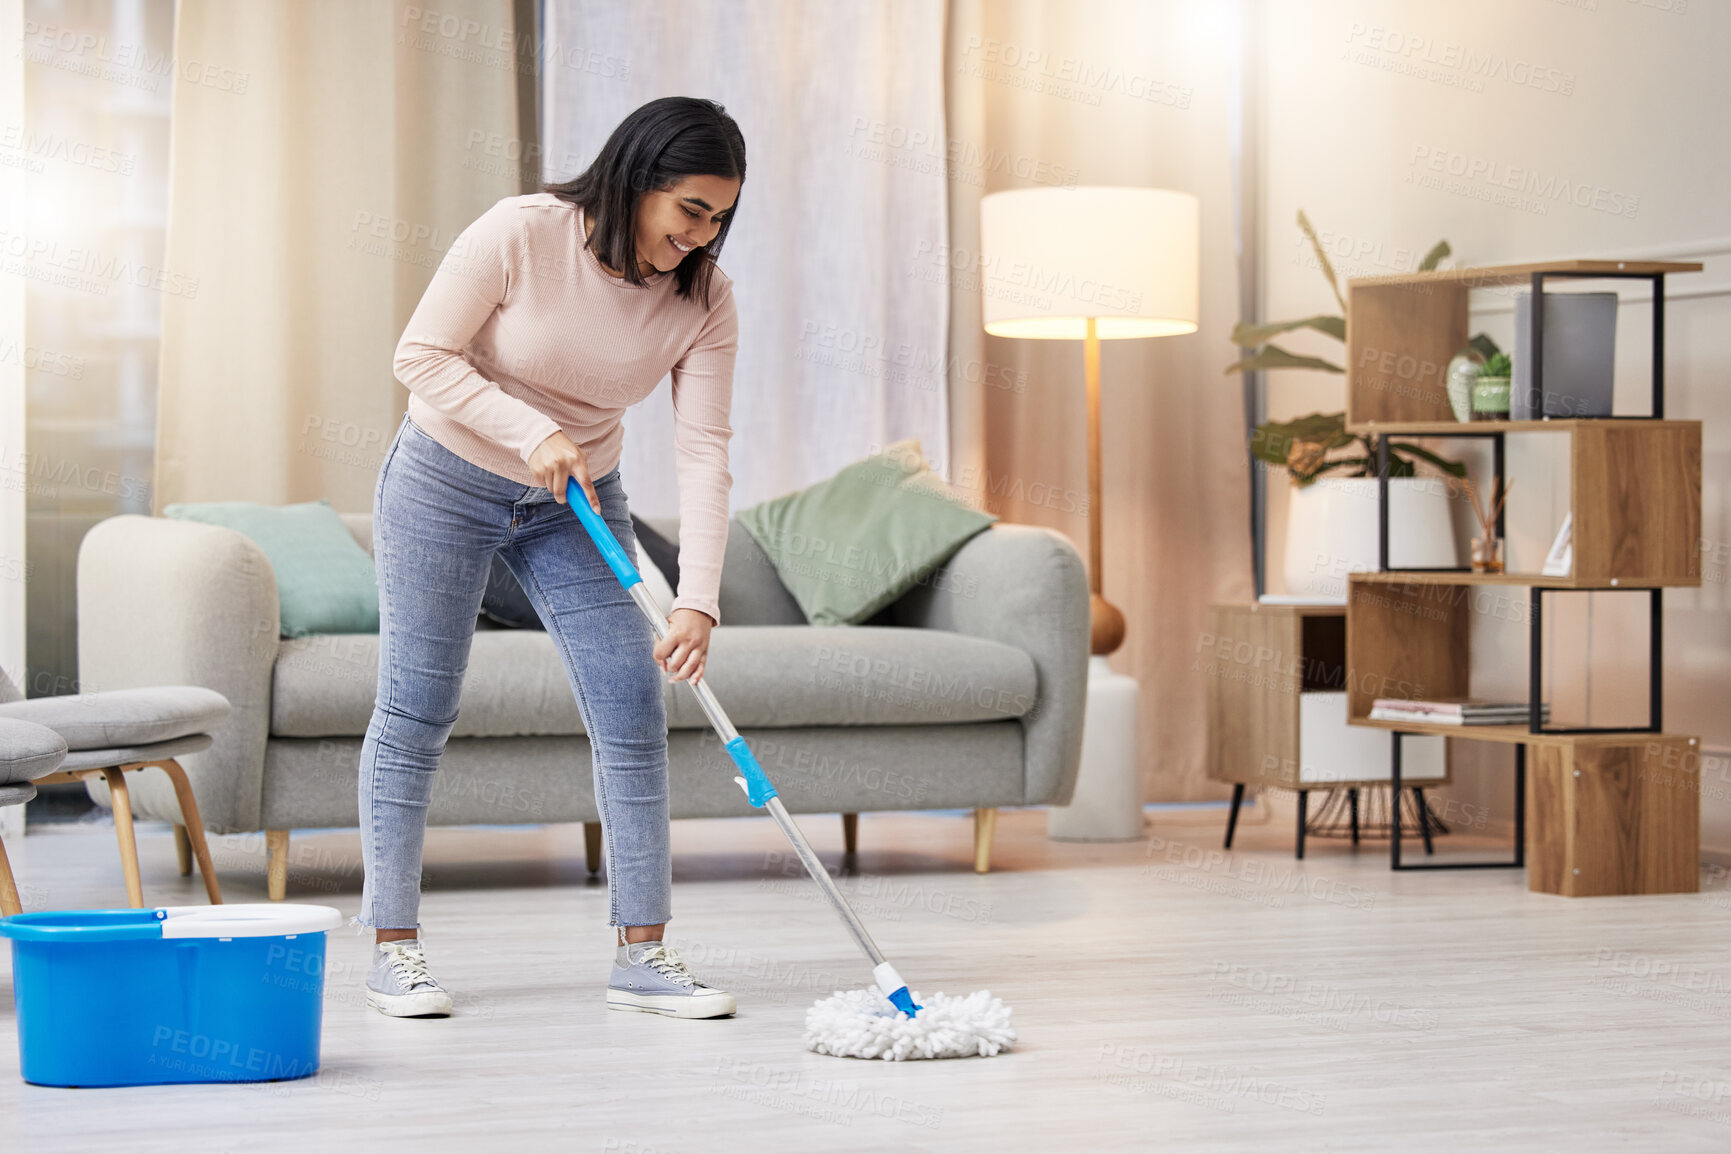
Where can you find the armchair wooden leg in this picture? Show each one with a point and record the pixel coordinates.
(985, 824)
(191, 830)
(592, 846)
(276, 843)
(850, 833)
(182, 850)
(123, 834)
(9, 903)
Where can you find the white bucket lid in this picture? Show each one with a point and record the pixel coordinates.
(247, 920)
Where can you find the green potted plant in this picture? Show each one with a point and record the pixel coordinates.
(1331, 524)
(1464, 368)
(1491, 389)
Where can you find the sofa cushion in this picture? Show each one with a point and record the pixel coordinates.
(751, 590)
(848, 546)
(28, 751)
(324, 578)
(765, 676)
(125, 717)
(504, 602)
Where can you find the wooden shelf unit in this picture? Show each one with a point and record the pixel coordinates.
(1609, 812)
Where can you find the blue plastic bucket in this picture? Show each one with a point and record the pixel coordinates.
(182, 994)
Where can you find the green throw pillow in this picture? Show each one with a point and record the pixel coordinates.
(324, 580)
(849, 546)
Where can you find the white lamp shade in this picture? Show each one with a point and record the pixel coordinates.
(1050, 258)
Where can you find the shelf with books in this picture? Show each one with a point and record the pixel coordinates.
(1409, 640)
(1608, 811)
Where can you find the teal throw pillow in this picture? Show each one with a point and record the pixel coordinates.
(849, 546)
(324, 580)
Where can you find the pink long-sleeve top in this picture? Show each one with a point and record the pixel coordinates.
(522, 334)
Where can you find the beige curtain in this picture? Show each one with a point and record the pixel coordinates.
(1113, 92)
(324, 155)
(841, 351)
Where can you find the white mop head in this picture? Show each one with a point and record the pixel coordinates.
(863, 1024)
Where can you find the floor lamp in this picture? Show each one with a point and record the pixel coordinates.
(1093, 264)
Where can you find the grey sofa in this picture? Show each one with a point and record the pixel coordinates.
(967, 692)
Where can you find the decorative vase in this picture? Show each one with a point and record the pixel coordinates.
(1463, 371)
(1331, 531)
(1491, 398)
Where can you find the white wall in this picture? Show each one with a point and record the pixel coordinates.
(1622, 103)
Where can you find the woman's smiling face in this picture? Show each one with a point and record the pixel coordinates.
(673, 221)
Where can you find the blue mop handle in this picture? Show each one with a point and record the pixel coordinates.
(611, 551)
(758, 789)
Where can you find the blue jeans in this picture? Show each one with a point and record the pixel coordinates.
(437, 522)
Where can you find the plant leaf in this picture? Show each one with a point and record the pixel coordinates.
(1452, 468)
(1329, 427)
(1484, 346)
(1364, 464)
(1275, 357)
(1250, 336)
(1438, 250)
(1321, 258)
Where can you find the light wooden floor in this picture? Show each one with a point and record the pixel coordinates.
(1168, 998)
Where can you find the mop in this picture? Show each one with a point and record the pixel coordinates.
(886, 1020)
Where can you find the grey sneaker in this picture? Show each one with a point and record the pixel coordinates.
(651, 978)
(402, 986)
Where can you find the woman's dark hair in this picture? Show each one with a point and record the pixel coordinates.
(653, 149)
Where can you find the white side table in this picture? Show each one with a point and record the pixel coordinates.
(1107, 805)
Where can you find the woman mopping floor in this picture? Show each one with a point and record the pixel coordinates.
(550, 316)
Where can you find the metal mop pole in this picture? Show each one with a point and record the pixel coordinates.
(758, 789)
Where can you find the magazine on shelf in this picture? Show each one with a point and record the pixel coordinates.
(1454, 712)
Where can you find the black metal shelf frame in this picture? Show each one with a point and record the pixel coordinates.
(1520, 856)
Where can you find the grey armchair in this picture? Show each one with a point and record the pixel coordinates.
(27, 752)
(107, 736)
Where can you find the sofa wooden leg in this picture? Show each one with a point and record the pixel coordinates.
(191, 831)
(276, 844)
(850, 833)
(985, 824)
(123, 834)
(182, 850)
(9, 903)
(592, 846)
